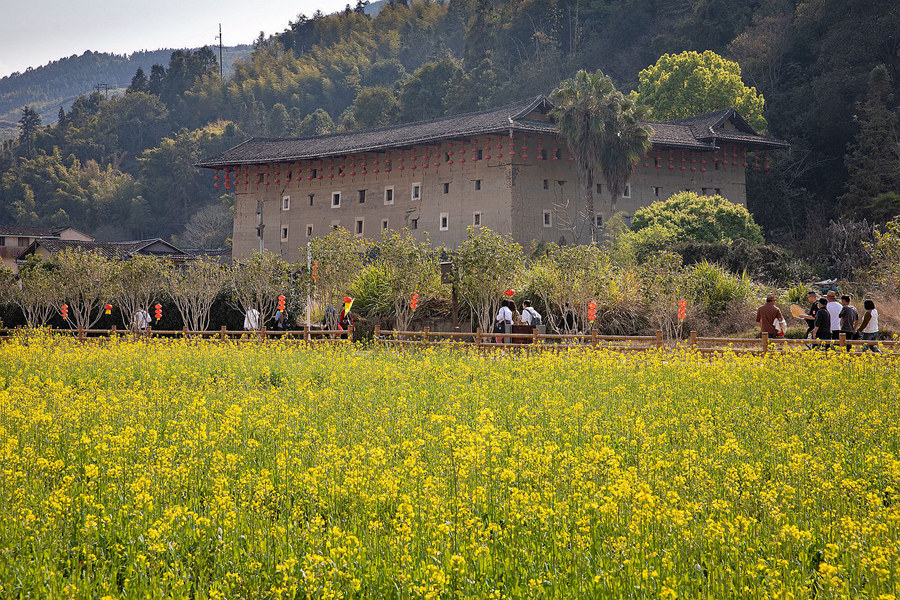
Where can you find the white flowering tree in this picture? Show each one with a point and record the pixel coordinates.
(487, 264)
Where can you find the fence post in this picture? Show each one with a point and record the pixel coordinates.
(112, 332)
(535, 336)
(478, 338)
(350, 332)
(426, 332)
(80, 334)
(376, 334)
(659, 338)
(262, 333)
(306, 333)
(222, 334)
(843, 341)
(184, 331)
(593, 338)
(765, 342)
(693, 339)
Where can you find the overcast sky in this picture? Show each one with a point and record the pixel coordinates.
(35, 32)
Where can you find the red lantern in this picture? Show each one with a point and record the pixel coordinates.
(509, 293)
(64, 311)
(682, 309)
(108, 309)
(414, 302)
(315, 271)
(157, 313)
(281, 303)
(592, 311)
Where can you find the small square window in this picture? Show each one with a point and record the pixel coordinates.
(627, 192)
(309, 230)
(657, 162)
(389, 195)
(718, 191)
(547, 218)
(315, 173)
(560, 183)
(446, 157)
(546, 184)
(335, 225)
(480, 154)
(557, 154)
(24, 242)
(599, 188)
(362, 196)
(311, 196)
(657, 190)
(416, 191)
(384, 224)
(477, 185)
(598, 220)
(476, 219)
(285, 203)
(703, 191)
(543, 154)
(359, 227)
(716, 164)
(284, 234)
(414, 223)
(2, 241)
(445, 221)
(335, 200)
(447, 188)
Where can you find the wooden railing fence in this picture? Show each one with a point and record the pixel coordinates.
(534, 340)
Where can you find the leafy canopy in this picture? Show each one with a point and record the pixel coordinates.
(692, 217)
(694, 83)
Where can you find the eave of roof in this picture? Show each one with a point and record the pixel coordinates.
(696, 133)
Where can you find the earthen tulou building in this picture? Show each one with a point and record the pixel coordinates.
(503, 168)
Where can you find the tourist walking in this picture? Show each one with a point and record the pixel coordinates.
(251, 319)
(504, 317)
(849, 319)
(810, 314)
(767, 315)
(530, 316)
(834, 313)
(868, 327)
(822, 330)
(141, 319)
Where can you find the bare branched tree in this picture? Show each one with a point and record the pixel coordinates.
(193, 287)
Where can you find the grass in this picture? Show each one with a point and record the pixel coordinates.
(181, 469)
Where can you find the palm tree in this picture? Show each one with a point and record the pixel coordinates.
(602, 128)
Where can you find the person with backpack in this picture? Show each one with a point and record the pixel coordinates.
(530, 316)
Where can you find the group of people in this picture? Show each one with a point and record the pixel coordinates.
(826, 319)
(510, 315)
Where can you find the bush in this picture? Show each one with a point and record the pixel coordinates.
(762, 262)
(714, 289)
(694, 218)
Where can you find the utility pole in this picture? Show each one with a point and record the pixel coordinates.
(221, 66)
(104, 87)
(308, 277)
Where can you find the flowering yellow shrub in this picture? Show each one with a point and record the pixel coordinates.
(203, 470)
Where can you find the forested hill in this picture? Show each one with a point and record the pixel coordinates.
(122, 167)
(57, 84)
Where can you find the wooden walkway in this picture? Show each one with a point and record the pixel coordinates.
(478, 340)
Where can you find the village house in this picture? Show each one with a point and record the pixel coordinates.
(503, 168)
(46, 247)
(14, 240)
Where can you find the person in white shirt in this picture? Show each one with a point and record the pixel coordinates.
(834, 309)
(251, 320)
(529, 315)
(141, 319)
(868, 327)
(504, 317)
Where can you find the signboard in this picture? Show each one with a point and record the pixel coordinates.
(447, 275)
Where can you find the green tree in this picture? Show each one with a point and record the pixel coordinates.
(691, 217)
(486, 264)
(873, 160)
(885, 251)
(693, 83)
(317, 123)
(139, 83)
(409, 267)
(338, 259)
(374, 107)
(138, 284)
(193, 288)
(422, 95)
(29, 125)
(603, 130)
(39, 292)
(87, 281)
(257, 282)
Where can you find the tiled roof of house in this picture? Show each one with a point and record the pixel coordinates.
(15, 230)
(513, 117)
(106, 249)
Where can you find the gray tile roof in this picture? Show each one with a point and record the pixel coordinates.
(15, 230)
(106, 249)
(681, 134)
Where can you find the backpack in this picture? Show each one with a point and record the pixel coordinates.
(536, 320)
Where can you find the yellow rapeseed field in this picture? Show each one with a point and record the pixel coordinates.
(201, 470)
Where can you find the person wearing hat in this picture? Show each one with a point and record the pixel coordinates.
(767, 315)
